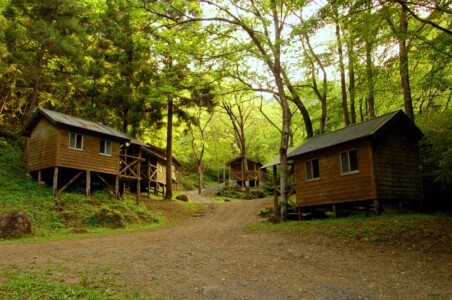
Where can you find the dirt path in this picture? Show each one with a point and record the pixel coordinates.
(217, 257)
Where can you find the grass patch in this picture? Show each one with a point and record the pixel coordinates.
(425, 230)
(23, 285)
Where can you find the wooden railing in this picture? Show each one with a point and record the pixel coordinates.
(241, 176)
(129, 166)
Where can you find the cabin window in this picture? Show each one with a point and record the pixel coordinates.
(105, 147)
(76, 141)
(349, 162)
(312, 169)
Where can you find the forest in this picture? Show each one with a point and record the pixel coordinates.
(210, 80)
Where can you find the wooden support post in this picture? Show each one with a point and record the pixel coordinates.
(88, 183)
(55, 183)
(335, 210)
(139, 177)
(39, 176)
(377, 207)
(117, 187)
(149, 178)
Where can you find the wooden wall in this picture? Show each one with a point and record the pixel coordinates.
(161, 171)
(396, 160)
(89, 158)
(43, 145)
(236, 172)
(333, 187)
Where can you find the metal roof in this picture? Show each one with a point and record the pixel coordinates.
(350, 133)
(63, 119)
(276, 159)
(240, 158)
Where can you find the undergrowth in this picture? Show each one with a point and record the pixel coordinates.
(389, 228)
(73, 214)
(24, 285)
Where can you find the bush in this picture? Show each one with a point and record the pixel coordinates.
(107, 218)
(436, 159)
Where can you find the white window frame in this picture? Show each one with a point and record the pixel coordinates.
(71, 134)
(349, 167)
(312, 178)
(108, 145)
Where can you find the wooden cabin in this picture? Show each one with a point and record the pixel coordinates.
(375, 162)
(237, 171)
(65, 151)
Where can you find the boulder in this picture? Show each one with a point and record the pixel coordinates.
(182, 197)
(14, 224)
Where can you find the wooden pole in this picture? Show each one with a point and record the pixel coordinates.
(139, 177)
(55, 183)
(39, 176)
(88, 183)
(377, 207)
(117, 187)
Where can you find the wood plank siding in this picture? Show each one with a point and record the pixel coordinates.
(238, 173)
(161, 171)
(333, 187)
(43, 146)
(396, 163)
(89, 158)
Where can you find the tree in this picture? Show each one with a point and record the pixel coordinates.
(43, 37)
(198, 139)
(239, 115)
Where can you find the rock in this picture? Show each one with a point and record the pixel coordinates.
(14, 225)
(182, 197)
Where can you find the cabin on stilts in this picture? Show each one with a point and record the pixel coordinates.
(68, 152)
(237, 171)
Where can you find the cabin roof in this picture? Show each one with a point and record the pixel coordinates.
(276, 159)
(57, 118)
(240, 158)
(353, 132)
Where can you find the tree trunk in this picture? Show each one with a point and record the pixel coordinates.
(351, 78)
(200, 177)
(169, 152)
(321, 96)
(247, 176)
(370, 100)
(283, 158)
(342, 71)
(403, 60)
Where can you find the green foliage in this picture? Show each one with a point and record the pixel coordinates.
(436, 148)
(436, 158)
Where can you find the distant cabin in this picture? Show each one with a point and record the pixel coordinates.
(376, 161)
(237, 171)
(64, 151)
